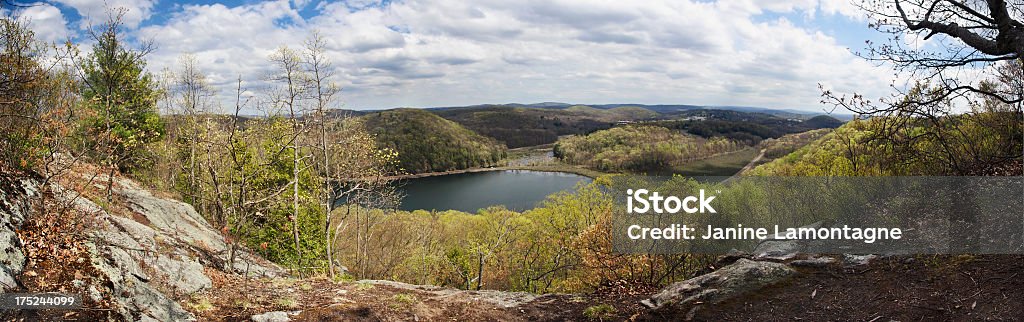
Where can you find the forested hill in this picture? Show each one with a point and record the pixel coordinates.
(518, 126)
(987, 143)
(746, 127)
(521, 125)
(426, 142)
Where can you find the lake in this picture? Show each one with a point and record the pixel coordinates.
(515, 189)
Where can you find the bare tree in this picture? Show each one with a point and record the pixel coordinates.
(191, 94)
(969, 42)
(323, 90)
(971, 34)
(293, 79)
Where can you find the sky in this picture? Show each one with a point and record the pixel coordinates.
(764, 53)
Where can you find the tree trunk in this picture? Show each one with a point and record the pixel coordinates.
(295, 196)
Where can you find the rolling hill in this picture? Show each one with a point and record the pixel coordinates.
(426, 142)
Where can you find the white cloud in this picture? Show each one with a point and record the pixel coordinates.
(440, 53)
(96, 11)
(47, 22)
(842, 7)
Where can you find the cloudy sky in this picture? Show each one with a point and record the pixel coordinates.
(415, 53)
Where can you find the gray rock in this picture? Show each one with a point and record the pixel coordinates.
(160, 252)
(778, 249)
(276, 316)
(816, 262)
(14, 208)
(857, 260)
(133, 293)
(742, 276)
(731, 257)
(179, 226)
(185, 274)
(145, 259)
(781, 250)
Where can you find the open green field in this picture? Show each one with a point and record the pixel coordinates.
(721, 165)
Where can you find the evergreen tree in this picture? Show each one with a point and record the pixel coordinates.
(122, 97)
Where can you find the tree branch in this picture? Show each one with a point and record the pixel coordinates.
(982, 44)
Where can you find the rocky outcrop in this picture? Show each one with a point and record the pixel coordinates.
(813, 262)
(740, 277)
(14, 208)
(857, 260)
(771, 261)
(780, 250)
(152, 251)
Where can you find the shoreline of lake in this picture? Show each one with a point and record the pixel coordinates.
(553, 168)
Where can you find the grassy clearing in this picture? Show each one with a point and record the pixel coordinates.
(362, 286)
(287, 302)
(721, 165)
(599, 311)
(200, 304)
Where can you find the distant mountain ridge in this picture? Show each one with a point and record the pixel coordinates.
(520, 125)
(659, 108)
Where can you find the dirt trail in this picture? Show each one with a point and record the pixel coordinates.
(750, 165)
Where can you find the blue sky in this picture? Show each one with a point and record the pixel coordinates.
(414, 53)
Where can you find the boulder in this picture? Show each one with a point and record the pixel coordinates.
(781, 250)
(276, 316)
(741, 277)
(857, 260)
(815, 262)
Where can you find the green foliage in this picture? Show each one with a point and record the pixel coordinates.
(776, 148)
(639, 149)
(562, 246)
(428, 143)
(123, 98)
(918, 138)
(200, 303)
(863, 148)
(404, 299)
(266, 165)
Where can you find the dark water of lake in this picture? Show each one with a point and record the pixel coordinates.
(515, 189)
